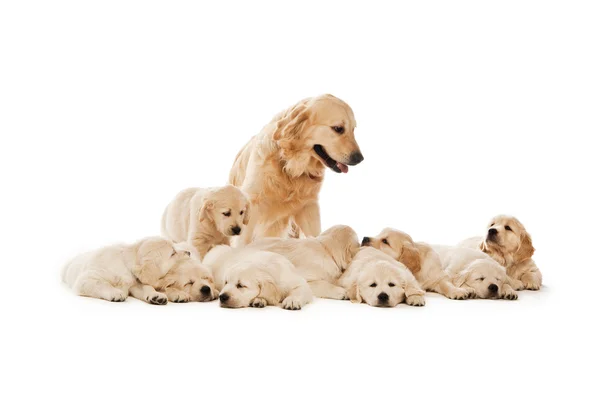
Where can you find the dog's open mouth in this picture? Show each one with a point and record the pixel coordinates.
(329, 161)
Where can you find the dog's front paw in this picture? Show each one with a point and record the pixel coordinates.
(179, 297)
(517, 285)
(531, 285)
(291, 303)
(509, 295)
(118, 297)
(415, 300)
(157, 298)
(258, 302)
(459, 294)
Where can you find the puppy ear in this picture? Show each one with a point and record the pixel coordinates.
(411, 257)
(204, 210)
(354, 294)
(290, 126)
(269, 291)
(461, 278)
(148, 270)
(246, 214)
(525, 250)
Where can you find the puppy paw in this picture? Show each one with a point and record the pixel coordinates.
(291, 303)
(459, 294)
(415, 301)
(517, 285)
(510, 295)
(179, 297)
(531, 285)
(157, 298)
(258, 302)
(117, 297)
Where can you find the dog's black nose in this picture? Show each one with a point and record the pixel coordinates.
(224, 297)
(355, 158)
(492, 231)
(383, 297)
(205, 290)
(493, 288)
(236, 230)
(365, 241)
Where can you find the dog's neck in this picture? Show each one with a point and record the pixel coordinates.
(506, 260)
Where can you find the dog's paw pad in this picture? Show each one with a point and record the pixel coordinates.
(157, 299)
(510, 296)
(258, 302)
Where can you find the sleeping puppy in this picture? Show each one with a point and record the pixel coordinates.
(319, 260)
(377, 279)
(282, 168)
(206, 217)
(477, 272)
(509, 243)
(253, 278)
(114, 272)
(420, 259)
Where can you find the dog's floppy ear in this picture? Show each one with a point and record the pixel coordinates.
(207, 205)
(269, 291)
(525, 250)
(148, 268)
(461, 278)
(354, 294)
(292, 123)
(411, 257)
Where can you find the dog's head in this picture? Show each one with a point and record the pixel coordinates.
(341, 242)
(397, 245)
(155, 257)
(245, 282)
(317, 132)
(189, 275)
(484, 276)
(379, 284)
(507, 241)
(227, 208)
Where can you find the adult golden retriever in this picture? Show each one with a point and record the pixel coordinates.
(510, 244)
(282, 167)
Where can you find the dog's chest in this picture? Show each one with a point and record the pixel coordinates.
(291, 192)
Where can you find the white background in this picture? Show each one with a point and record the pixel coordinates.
(464, 110)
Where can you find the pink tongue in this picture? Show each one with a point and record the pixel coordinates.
(342, 167)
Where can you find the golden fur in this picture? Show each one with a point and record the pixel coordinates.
(421, 260)
(248, 277)
(377, 279)
(281, 171)
(319, 260)
(206, 217)
(511, 246)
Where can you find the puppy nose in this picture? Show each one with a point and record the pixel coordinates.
(493, 288)
(236, 230)
(205, 290)
(383, 297)
(492, 231)
(355, 158)
(224, 297)
(365, 241)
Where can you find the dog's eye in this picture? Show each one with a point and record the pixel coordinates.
(480, 279)
(506, 227)
(338, 129)
(241, 212)
(174, 253)
(385, 241)
(239, 286)
(189, 283)
(227, 213)
(391, 284)
(373, 285)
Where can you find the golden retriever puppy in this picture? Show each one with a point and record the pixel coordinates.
(253, 278)
(375, 278)
(421, 260)
(477, 272)
(319, 260)
(509, 243)
(282, 168)
(206, 217)
(114, 272)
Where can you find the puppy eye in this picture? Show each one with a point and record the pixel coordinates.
(227, 213)
(391, 284)
(174, 253)
(241, 212)
(373, 285)
(189, 283)
(385, 241)
(506, 227)
(239, 286)
(338, 129)
(480, 279)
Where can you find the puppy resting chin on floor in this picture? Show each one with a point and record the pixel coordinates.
(377, 279)
(252, 278)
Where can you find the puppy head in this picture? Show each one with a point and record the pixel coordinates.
(227, 208)
(485, 276)
(189, 275)
(507, 241)
(378, 284)
(155, 256)
(245, 282)
(398, 245)
(318, 132)
(341, 242)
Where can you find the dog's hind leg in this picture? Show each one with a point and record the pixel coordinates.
(324, 289)
(93, 286)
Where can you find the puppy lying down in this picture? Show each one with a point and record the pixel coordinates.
(477, 272)
(114, 272)
(248, 277)
(319, 260)
(377, 279)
